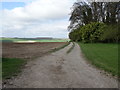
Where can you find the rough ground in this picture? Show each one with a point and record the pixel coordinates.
(62, 70)
(28, 50)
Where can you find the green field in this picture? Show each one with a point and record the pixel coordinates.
(104, 56)
(10, 67)
(0, 68)
(35, 40)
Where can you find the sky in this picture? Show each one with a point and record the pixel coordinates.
(35, 18)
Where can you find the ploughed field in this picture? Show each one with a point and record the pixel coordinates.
(28, 50)
(15, 55)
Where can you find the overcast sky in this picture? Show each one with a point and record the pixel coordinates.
(36, 18)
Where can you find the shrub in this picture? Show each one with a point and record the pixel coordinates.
(96, 32)
(92, 32)
(111, 34)
(75, 35)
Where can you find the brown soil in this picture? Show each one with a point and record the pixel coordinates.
(28, 50)
(62, 70)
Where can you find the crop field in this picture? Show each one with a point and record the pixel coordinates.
(104, 56)
(15, 55)
(31, 40)
(28, 50)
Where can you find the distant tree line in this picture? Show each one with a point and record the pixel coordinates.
(95, 22)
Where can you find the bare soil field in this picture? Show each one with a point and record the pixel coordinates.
(28, 50)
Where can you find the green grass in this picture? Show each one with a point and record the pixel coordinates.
(104, 56)
(11, 39)
(0, 68)
(11, 67)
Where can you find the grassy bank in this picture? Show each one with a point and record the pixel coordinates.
(104, 56)
(10, 67)
(0, 68)
(56, 49)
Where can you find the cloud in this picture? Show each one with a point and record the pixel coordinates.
(26, 1)
(38, 18)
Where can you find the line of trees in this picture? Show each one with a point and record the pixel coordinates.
(95, 19)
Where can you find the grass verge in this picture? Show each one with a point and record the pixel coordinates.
(104, 56)
(11, 67)
(56, 49)
(71, 48)
(0, 68)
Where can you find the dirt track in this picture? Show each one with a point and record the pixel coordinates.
(62, 70)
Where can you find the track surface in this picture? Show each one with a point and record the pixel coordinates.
(62, 70)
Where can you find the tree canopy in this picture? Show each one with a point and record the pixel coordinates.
(83, 13)
(86, 13)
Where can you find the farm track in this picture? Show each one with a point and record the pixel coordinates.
(62, 70)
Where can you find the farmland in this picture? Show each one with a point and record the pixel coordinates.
(28, 50)
(60, 69)
(31, 40)
(15, 55)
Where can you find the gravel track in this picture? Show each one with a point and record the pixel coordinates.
(62, 70)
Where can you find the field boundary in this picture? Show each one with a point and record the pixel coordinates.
(56, 49)
(20, 40)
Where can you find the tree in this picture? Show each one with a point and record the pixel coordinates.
(84, 13)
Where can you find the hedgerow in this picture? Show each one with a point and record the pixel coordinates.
(95, 32)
